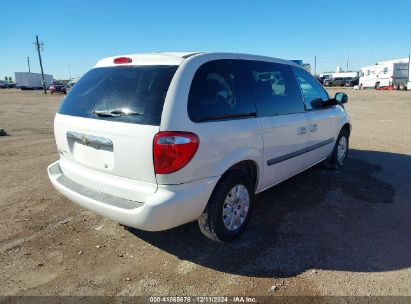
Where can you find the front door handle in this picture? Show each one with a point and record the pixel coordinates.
(313, 127)
(302, 130)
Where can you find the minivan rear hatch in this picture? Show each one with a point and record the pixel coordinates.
(106, 124)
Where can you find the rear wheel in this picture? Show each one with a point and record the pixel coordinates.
(402, 87)
(361, 87)
(229, 209)
(377, 85)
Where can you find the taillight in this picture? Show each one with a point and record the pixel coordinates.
(120, 60)
(173, 150)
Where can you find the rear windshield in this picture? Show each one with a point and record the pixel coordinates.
(139, 90)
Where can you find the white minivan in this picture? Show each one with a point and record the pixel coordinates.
(154, 141)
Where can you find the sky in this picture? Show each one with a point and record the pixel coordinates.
(76, 34)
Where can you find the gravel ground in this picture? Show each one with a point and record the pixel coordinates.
(319, 233)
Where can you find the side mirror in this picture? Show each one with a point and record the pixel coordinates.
(340, 98)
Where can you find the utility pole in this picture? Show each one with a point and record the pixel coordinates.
(28, 63)
(348, 58)
(315, 65)
(38, 46)
(69, 67)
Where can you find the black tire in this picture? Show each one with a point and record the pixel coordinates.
(377, 85)
(333, 162)
(211, 220)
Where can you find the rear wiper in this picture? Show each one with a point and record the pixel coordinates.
(115, 113)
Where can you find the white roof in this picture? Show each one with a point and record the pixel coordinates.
(166, 58)
(176, 58)
(381, 64)
(402, 60)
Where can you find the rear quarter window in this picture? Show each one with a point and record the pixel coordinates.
(219, 91)
(139, 89)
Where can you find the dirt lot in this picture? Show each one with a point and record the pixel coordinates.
(319, 233)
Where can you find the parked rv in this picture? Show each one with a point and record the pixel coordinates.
(385, 74)
(31, 81)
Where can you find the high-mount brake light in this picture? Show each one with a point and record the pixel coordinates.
(120, 60)
(173, 150)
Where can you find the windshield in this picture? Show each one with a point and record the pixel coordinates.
(138, 89)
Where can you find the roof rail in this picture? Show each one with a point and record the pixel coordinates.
(191, 54)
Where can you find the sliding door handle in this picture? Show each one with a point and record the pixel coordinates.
(302, 130)
(313, 127)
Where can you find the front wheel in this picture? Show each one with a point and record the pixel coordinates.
(339, 154)
(229, 209)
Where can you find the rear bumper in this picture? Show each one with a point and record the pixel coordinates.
(170, 206)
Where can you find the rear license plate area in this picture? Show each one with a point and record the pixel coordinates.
(92, 151)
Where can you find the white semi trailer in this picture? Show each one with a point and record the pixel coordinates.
(30, 81)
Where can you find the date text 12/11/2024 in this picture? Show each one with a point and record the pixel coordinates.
(202, 299)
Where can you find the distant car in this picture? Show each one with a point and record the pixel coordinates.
(328, 82)
(57, 86)
(352, 82)
(320, 79)
(10, 85)
(338, 81)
